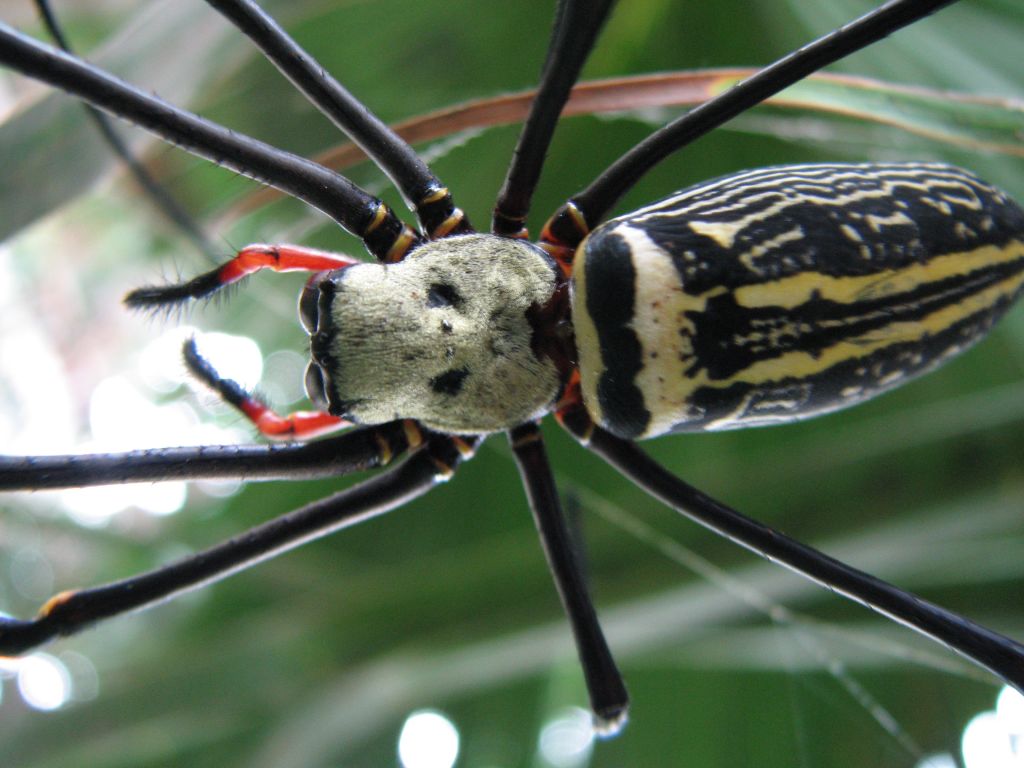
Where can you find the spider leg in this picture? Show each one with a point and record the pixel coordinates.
(570, 223)
(422, 190)
(354, 451)
(608, 698)
(362, 214)
(253, 258)
(70, 612)
(300, 425)
(572, 38)
(997, 653)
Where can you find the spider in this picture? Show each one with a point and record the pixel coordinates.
(603, 682)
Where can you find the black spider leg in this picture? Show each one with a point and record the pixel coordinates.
(423, 192)
(354, 209)
(162, 200)
(353, 451)
(997, 653)
(70, 612)
(575, 30)
(583, 211)
(576, 27)
(608, 698)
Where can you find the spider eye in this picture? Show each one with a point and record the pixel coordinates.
(450, 382)
(316, 389)
(309, 301)
(443, 295)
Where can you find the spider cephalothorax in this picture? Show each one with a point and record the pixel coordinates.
(443, 336)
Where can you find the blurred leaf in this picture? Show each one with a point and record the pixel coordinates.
(973, 122)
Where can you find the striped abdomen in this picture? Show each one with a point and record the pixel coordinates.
(781, 293)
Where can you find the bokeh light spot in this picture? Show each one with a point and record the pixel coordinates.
(567, 740)
(995, 738)
(43, 681)
(428, 740)
(940, 760)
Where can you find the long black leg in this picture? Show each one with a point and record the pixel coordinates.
(421, 189)
(160, 197)
(577, 23)
(70, 612)
(608, 698)
(995, 652)
(353, 451)
(583, 211)
(385, 236)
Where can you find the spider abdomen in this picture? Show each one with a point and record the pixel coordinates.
(782, 293)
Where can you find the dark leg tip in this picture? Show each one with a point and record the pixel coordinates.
(610, 722)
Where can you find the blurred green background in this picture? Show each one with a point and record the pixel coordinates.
(317, 658)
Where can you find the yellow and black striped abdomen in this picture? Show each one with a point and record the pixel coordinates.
(781, 293)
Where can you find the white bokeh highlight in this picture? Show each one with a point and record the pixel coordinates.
(42, 680)
(995, 738)
(939, 760)
(567, 740)
(428, 740)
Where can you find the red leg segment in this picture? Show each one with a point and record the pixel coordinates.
(300, 425)
(280, 258)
